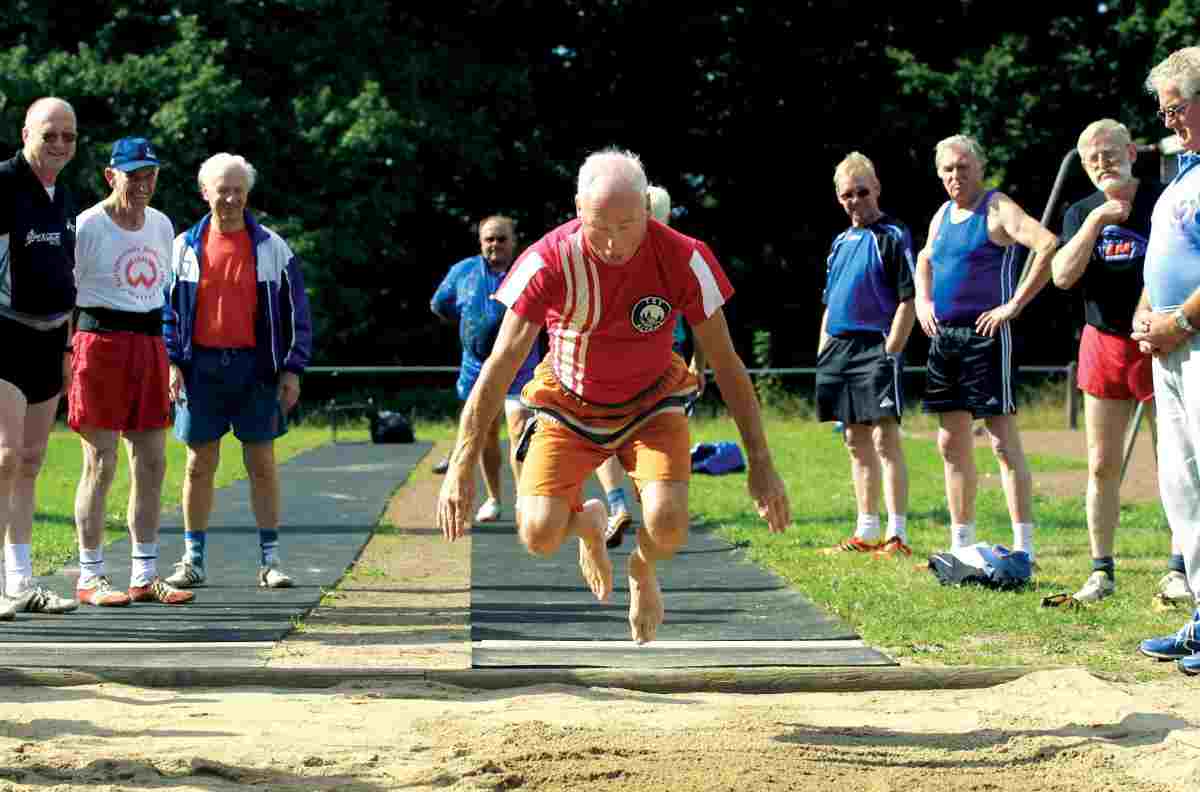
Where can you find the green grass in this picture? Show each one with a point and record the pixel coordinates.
(903, 610)
(54, 524)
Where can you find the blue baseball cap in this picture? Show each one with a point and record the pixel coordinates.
(131, 153)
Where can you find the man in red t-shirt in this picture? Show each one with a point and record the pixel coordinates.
(608, 286)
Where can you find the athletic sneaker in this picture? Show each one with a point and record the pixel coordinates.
(271, 576)
(1174, 647)
(893, 548)
(1173, 588)
(442, 466)
(1189, 665)
(186, 575)
(1097, 587)
(489, 511)
(8, 609)
(158, 590)
(99, 591)
(618, 521)
(36, 599)
(852, 545)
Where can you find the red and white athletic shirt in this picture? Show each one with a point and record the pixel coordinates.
(610, 326)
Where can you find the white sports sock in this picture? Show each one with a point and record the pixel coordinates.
(1023, 537)
(868, 527)
(91, 564)
(18, 568)
(144, 563)
(897, 526)
(962, 535)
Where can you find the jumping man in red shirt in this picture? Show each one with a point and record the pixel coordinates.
(608, 286)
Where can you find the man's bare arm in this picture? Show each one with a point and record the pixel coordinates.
(766, 487)
(823, 338)
(1019, 227)
(1071, 260)
(901, 329)
(923, 280)
(456, 501)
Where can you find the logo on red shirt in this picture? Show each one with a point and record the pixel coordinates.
(649, 314)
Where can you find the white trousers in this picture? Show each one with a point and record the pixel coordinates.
(1177, 404)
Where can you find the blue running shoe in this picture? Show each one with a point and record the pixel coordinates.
(1190, 665)
(1182, 644)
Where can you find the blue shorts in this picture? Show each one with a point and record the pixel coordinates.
(223, 388)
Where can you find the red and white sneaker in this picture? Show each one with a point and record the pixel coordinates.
(99, 591)
(893, 548)
(852, 545)
(158, 590)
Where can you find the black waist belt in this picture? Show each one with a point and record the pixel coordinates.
(108, 320)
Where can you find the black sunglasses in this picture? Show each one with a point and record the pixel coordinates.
(861, 192)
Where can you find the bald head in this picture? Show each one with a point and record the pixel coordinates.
(49, 137)
(611, 171)
(611, 202)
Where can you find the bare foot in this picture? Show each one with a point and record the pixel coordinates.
(645, 600)
(594, 562)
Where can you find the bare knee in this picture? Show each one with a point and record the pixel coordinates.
(99, 466)
(10, 462)
(202, 466)
(666, 522)
(32, 458)
(858, 443)
(542, 534)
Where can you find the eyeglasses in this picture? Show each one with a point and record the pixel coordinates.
(52, 137)
(1169, 114)
(861, 192)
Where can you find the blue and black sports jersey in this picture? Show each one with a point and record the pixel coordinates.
(868, 274)
(971, 274)
(1112, 282)
(465, 294)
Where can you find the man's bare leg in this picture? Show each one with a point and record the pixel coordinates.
(864, 467)
(1014, 471)
(957, 446)
(489, 462)
(12, 433)
(1106, 421)
(99, 448)
(545, 523)
(663, 532)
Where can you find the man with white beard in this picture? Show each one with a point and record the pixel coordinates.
(1103, 252)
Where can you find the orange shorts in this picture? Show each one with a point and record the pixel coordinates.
(573, 437)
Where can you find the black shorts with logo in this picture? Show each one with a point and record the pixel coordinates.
(968, 371)
(37, 368)
(857, 381)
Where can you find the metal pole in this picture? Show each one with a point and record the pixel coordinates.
(1131, 437)
(1063, 169)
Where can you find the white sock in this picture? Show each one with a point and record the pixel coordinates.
(18, 568)
(962, 535)
(1023, 538)
(898, 526)
(868, 527)
(91, 565)
(143, 563)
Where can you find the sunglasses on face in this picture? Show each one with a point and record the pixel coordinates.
(1168, 114)
(861, 192)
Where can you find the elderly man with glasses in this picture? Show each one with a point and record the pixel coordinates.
(1166, 325)
(868, 317)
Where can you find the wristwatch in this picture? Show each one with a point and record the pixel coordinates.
(1181, 321)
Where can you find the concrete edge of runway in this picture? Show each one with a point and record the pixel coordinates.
(775, 679)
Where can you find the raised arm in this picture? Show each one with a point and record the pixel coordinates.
(1071, 260)
(456, 501)
(766, 487)
(1008, 224)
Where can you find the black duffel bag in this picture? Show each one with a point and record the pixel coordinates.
(391, 427)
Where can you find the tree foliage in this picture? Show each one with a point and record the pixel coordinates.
(382, 131)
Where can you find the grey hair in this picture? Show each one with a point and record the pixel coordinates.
(659, 202)
(612, 167)
(1105, 126)
(964, 142)
(1182, 69)
(855, 163)
(219, 163)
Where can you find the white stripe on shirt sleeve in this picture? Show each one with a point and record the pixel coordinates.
(510, 291)
(709, 291)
